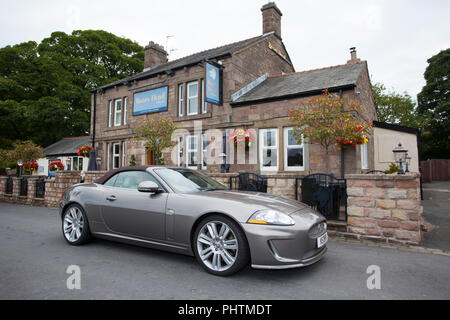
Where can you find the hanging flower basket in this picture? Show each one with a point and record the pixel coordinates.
(56, 166)
(242, 139)
(84, 151)
(353, 137)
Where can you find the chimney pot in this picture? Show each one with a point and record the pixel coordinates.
(353, 55)
(271, 18)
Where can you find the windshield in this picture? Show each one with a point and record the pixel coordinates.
(185, 180)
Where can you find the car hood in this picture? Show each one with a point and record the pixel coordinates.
(257, 200)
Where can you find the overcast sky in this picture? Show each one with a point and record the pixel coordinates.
(396, 37)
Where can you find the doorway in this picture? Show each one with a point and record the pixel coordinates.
(151, 158)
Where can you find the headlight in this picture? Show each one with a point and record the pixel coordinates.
(271, 217)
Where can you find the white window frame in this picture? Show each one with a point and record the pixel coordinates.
(180, 151)
(114, 155)
(189, 150)
(204, 151)
(204, 105)
(191, 97)
(262, 148)
(125, 110)
(77, 159)
(108, 148)
(123, 154)
(364, 156)
(287, 146)
(180, 99)
(116, 112)
(110, 110)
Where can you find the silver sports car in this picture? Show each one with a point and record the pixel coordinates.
(184, 211)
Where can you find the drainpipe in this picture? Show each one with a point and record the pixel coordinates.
(93, 116)
(342, 148)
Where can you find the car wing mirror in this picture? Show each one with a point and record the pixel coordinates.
(149, 187)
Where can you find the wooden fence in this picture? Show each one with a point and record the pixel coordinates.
(435, 170)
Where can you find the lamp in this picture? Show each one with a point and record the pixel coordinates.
(223, 167)
(400, 157)
(407, 162)
(20, 164)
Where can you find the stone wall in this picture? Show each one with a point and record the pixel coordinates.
(384, 208)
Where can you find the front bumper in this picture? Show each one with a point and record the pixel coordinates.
(283, 247)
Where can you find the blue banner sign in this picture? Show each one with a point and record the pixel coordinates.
(154, 100)
(213, 84)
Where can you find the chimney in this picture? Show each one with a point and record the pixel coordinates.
(353, 56)
(154, 55)
(271, 18)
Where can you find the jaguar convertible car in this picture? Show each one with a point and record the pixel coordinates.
(184, 211)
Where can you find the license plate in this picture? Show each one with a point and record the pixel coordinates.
(322, 240)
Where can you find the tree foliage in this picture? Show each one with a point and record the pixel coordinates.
(26, 151)
(45, 87)
(434, 104)
(329, 120)
(395, 108)
(156, 134)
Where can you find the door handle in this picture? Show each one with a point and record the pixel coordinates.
(111, 198)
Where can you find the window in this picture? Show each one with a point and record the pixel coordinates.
(110, 110)
(116, 155)
(183, 180)
(365, 156)
(192, 98)
(293, 152)
(191, 154)
(118, 113)
(125, 110)
(268, 149)
(108, 156)
(204, 105)
(204, 151)
(124, 156)
(77, 163)
(180, 151)
(131, 179)
(180, 99)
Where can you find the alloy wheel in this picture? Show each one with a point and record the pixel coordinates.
(73, 224)
(217, 246)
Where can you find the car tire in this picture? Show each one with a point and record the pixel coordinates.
(75, 225)
(215, 251)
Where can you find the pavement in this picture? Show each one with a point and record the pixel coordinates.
(34, 259)
(436, 211)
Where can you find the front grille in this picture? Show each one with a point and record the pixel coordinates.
(317, 229)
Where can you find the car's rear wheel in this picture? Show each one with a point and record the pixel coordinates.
(75, 225)
(220, 246)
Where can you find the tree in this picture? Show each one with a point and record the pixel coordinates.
(395, 108)
(157, 134)
(45, 87)
(26, 151)
(434, 104)
(329, 120)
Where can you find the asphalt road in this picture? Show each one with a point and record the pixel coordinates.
(34, 258)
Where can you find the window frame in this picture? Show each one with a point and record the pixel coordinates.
(125, 110)
(110, 116)
(364, 150)
(286, 146)
(189, 150)
(204, 103)
(204, 155)
(114, 155)
(116, 112)
(180, 150)
(262, 148)
(189, 97)
(181, 99)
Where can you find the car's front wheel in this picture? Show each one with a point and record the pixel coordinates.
(220, 246)
(75, 225)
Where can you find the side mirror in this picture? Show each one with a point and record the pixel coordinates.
(148, 186)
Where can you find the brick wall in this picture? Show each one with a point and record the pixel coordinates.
(385, 208)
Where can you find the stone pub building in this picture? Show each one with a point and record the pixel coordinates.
(249, 84)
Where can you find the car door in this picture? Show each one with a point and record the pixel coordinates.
(129, 212)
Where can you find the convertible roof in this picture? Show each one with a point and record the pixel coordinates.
(109, 174)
